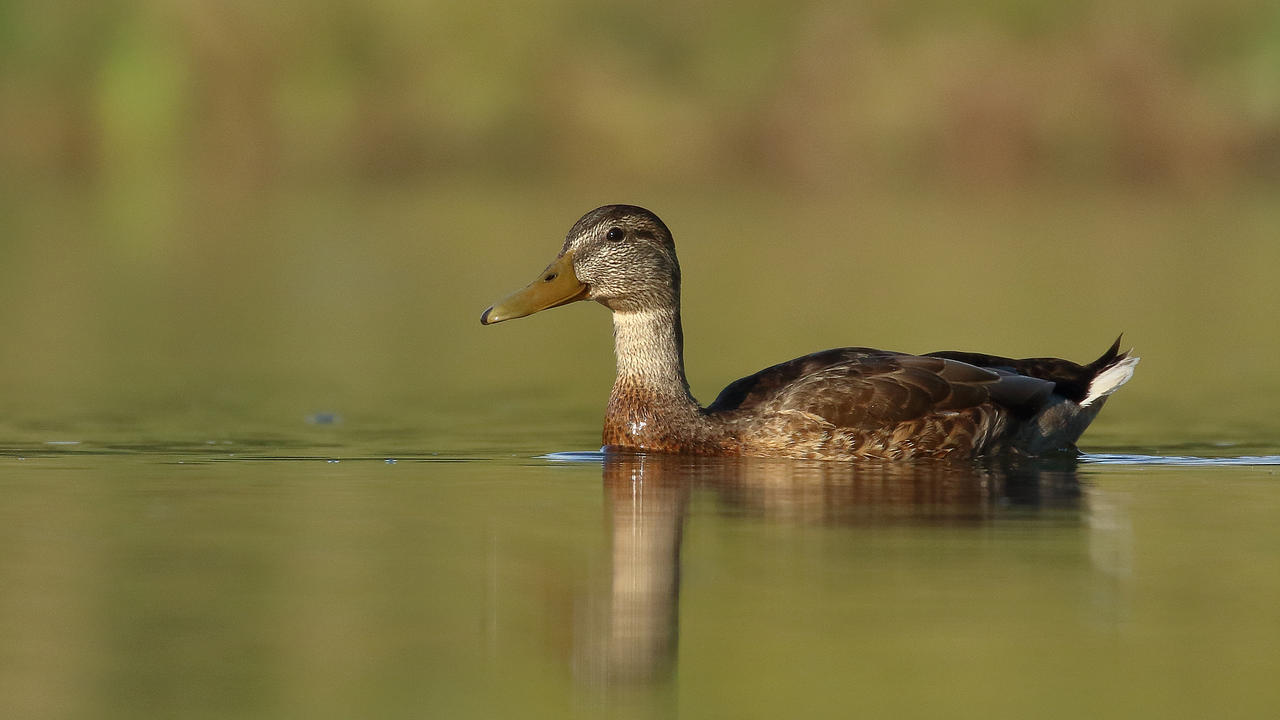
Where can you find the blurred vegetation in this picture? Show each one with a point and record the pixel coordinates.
(281, 207)
(245, 92)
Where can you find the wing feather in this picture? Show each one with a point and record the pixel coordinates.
(860, 388)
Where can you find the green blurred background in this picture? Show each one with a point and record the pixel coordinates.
(220, 214)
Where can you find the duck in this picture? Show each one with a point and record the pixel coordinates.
(842, 404)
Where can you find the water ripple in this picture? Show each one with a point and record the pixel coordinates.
(597, 456)
(1192, 460)
(582, 456)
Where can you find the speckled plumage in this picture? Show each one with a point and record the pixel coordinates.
(841, 404)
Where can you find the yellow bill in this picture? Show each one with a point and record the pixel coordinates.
(557, 285)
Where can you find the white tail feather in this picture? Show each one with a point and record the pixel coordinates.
(1107, 381)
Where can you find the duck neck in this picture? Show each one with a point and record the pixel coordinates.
(650, 397)
(649, 345)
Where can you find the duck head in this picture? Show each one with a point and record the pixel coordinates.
(621, 256)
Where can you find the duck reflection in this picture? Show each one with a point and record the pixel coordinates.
(647, 497)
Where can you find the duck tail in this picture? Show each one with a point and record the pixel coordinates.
(1109, 372)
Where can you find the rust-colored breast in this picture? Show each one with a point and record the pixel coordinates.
(639, 420)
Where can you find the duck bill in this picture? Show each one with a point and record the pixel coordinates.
(556, 286)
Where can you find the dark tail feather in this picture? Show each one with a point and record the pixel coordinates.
(1109, 358)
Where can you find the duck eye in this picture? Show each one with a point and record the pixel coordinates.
(614, 234)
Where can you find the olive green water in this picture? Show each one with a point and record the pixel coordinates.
(266, 463)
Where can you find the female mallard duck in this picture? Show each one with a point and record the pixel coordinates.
(842, 404)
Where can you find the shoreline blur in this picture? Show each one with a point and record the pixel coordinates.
(249, 95)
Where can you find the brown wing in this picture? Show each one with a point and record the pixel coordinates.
(863, 388)
(764, 386)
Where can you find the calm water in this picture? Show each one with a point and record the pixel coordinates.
(265, 463)
(321, 576)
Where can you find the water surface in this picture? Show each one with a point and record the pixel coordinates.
(330, 580)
